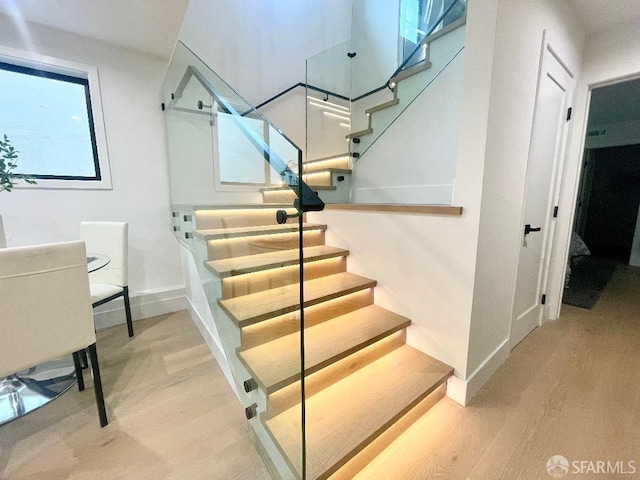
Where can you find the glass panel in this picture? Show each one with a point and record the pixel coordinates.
(239, 161)
(235, 179)
(328, 105)
(419, 18)
(381, 87)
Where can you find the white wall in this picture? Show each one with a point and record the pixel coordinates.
(513, 91)
(609, 57)
(414, 159)
(375, 41)
(260, 47)
(424, 269)
(130, 84)
(425, 265)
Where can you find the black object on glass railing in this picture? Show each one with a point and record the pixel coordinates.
(251, 411)
(249, 385)
(402, 66)
(293, 87)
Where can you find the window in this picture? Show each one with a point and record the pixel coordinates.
(51, 114)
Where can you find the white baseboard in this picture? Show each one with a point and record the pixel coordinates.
(462, 391)
(145, 304)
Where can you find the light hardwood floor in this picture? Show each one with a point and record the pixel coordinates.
(570, 388)
(172, 415)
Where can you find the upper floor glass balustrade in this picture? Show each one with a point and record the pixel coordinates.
(401, 73)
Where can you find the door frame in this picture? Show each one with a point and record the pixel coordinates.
(549, 243)
(570, 185)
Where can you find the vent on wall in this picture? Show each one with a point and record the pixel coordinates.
(596, 133)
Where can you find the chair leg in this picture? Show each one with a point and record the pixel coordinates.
(127, 310)
(84, 362)
(97, 385)
(78, 367)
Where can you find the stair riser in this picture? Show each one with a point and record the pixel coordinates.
(287, 397)
(333, 163)
(279, 196)
(209, 219)
(257, 282)
(321, 179)
(277, 327)
(239, 247)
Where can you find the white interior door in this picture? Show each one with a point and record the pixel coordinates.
(545, 152)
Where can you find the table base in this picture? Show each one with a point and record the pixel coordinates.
(26, 391)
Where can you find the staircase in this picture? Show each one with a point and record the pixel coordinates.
(373, 115)
(364, 384)
(330, 177)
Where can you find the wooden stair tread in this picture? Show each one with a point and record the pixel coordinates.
(277, 363)
(366, 131)
(345, 417)
(312, 187)
(264, 261)
(256, 307)
(234, 232)
(234, 206)
(324, 159)
(328, 170)
(382, 106)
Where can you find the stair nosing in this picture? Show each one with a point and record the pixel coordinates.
(366, 131)
(367, 283)
(382, 106)
(398, 323)
(324, 159)
(394, 414)
(329, 170)
(257, 230)
(337, 252)
(312, 187)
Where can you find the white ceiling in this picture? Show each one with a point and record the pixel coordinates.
(599, 15)
(148, 25)
(152, 25)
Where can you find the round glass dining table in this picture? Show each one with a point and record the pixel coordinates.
(25, 391)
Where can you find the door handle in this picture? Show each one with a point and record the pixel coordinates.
(528, 229)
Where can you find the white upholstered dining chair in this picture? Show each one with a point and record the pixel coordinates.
(112, 281)
(46, 310)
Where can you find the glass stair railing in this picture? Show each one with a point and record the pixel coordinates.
(246, 260)
(362, 96)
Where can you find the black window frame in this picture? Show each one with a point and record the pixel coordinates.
(38, 72)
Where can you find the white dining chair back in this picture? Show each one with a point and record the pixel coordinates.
(45, 307)
(112, 281)
(110, 239)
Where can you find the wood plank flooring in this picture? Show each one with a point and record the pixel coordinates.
(172, 415)
(570, 388)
